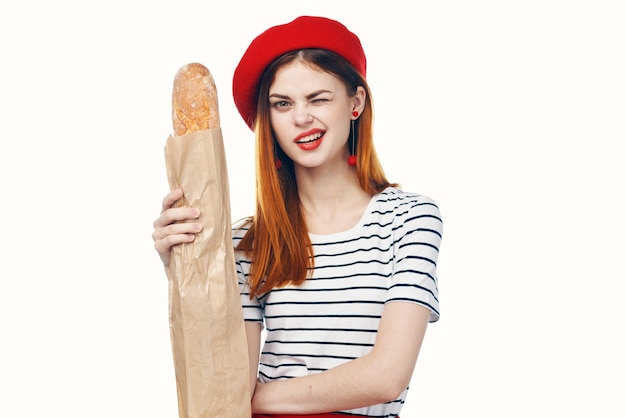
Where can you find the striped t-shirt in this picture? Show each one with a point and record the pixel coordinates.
(333, 317)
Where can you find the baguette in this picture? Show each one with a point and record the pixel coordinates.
(207, 328)
(194, 100)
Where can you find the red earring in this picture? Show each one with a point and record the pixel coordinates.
(278, 163)
(355, 113)
(352, 157)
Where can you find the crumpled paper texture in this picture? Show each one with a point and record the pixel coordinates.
(205, 314)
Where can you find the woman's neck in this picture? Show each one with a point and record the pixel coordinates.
(332, 201)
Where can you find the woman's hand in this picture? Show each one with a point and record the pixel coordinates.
(174, 226)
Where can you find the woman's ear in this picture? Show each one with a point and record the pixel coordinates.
(359, 99)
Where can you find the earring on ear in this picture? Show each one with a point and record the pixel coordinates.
(352, 157)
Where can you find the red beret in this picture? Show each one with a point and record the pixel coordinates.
(302, 33)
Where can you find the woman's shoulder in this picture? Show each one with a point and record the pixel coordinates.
(396, 199)
(409, 211)
(241, 227)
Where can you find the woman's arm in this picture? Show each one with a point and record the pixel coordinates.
(253, 336)
(375, 378)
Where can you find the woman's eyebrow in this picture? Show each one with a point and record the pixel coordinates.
(278, 96)
(317, 93)
(308, 96)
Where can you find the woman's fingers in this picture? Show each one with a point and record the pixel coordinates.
(174, 226)
(172, 197)
(172, 215)
(173, 234)
(176, 229)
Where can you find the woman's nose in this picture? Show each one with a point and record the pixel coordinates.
(302, 114)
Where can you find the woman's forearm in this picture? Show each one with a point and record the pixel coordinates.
(378, 377)
(356, 384)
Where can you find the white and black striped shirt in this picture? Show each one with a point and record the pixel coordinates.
(390, 255)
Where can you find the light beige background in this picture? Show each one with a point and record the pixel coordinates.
(511, 115)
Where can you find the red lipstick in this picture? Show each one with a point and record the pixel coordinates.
(309, 140)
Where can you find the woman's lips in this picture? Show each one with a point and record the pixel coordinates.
(309, 140)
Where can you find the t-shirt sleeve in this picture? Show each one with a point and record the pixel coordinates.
(417, 238)
(252, 308)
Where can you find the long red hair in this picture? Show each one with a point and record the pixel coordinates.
(277, 240)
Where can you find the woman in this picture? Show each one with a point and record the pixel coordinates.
(337, 263)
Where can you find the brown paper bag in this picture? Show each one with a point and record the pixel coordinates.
(206, 317)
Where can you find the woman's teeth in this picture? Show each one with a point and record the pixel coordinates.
(310, 138)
